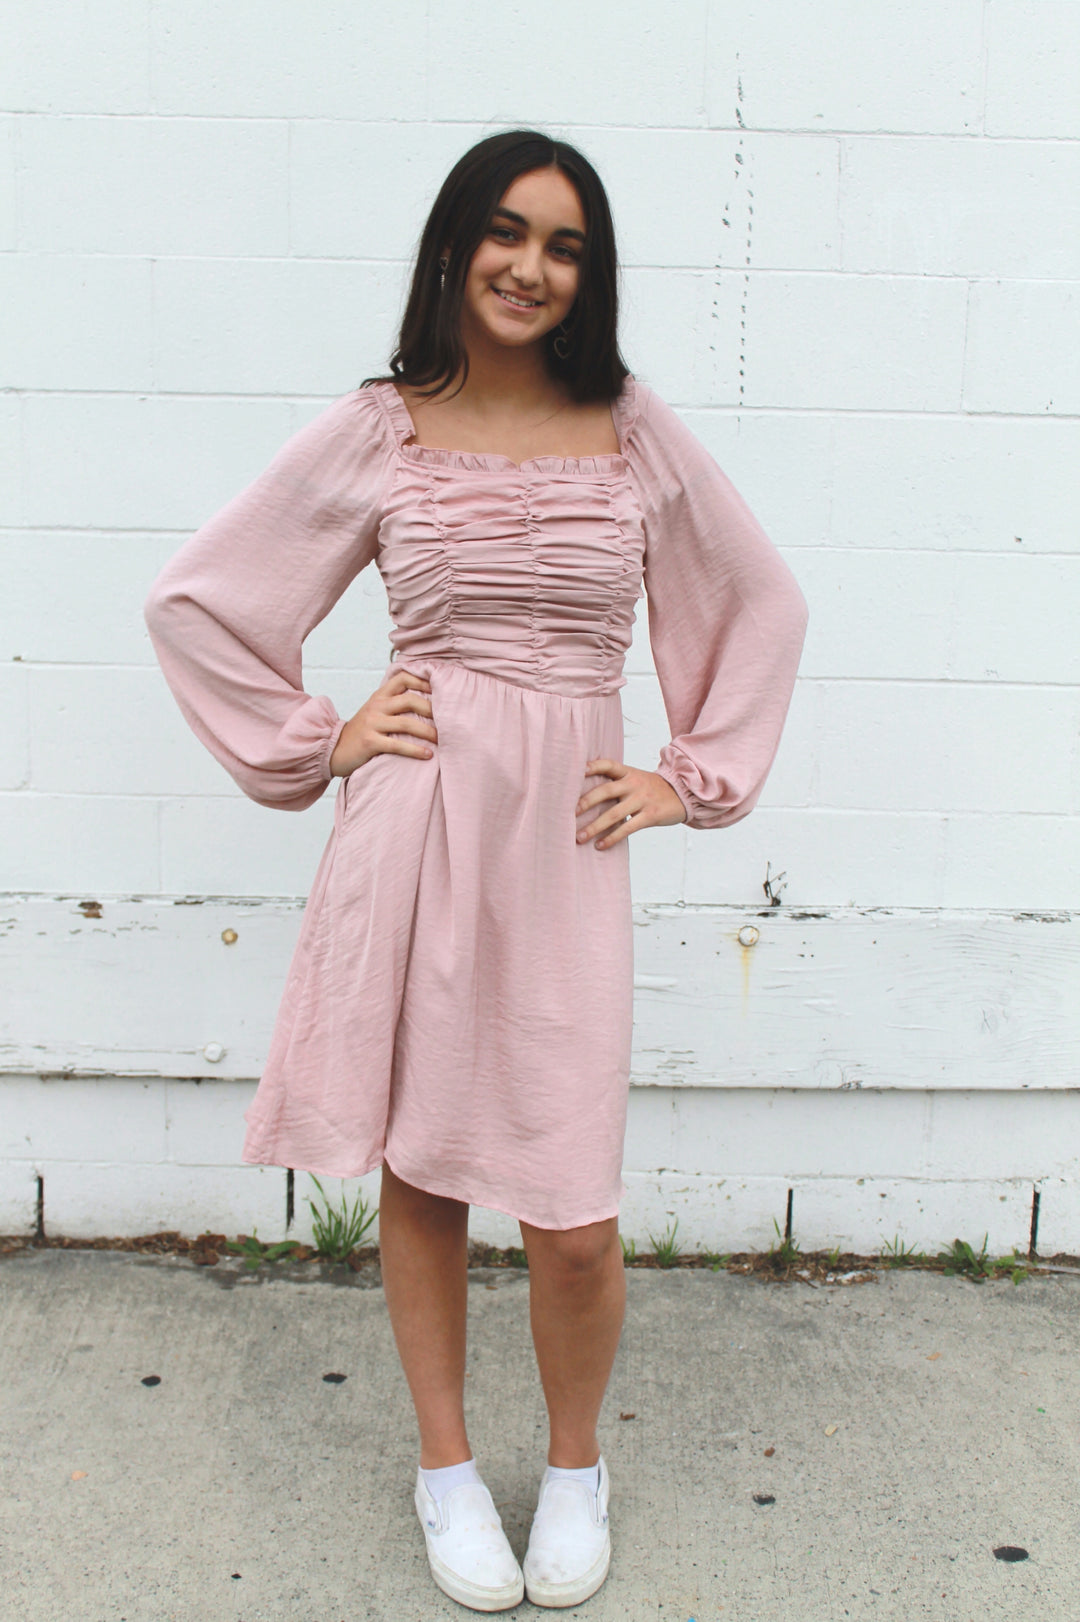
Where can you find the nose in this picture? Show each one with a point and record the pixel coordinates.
(526, 268)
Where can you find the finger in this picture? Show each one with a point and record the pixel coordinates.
(402, 679)
(603, 794)
(399, 746)
(407, 722)
(606, 821)
(410, 700)
(622, 831)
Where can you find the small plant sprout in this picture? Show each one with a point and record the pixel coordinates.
(963, 1259)
(714, 1259)
(833, 1256)
(338, 1230)
(977, 1265)
(1015, 1265)
(787, 1252)
(897, 1254)
(255, 1252)
(664, 1247)
(629, 1250)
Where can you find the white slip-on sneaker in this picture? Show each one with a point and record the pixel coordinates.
(467, 1549)
(570, 1543)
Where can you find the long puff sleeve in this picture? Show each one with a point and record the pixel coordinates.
(726, 619)
(229, 612)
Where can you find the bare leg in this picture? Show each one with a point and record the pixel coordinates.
(577, 1300)
(423, 1244)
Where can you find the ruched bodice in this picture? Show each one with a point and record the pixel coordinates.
(529, 573)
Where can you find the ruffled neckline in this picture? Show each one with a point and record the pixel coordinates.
(624, 410)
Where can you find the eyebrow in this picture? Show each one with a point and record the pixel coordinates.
(560, 231)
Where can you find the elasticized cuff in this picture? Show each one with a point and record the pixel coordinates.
(329, 746)
(669, 777)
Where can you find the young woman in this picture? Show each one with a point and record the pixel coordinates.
(459, 1006)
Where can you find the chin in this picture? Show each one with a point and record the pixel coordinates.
(517, 340)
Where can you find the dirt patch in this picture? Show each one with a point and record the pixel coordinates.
(813, 1267)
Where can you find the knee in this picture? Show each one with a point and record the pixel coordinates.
(417, 1205)
(572, 1253)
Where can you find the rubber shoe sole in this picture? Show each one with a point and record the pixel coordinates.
(556, 1595)
(478, 1599)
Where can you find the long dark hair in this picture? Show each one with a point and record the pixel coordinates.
(429, 350)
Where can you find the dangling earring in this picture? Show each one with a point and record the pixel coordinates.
(443, 262)
(561, 339)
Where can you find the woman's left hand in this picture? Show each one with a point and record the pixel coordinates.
(641, 800)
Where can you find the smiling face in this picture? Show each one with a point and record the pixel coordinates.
(523, 278)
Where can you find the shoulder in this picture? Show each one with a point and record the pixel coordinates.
(648, 416)
(664, 454)
(365, 413)
(353, 430)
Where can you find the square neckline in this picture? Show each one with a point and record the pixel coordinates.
(622, 408)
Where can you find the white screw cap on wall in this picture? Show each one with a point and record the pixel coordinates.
(213, 1052)
(748, 935)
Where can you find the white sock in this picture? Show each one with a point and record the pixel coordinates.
(439, 1482)
(590, 1475)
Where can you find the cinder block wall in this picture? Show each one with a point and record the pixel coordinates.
(850, 237)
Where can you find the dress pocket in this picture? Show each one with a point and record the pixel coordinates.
(365, 790)
(341, 802)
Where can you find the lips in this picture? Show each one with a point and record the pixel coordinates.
(512, 300)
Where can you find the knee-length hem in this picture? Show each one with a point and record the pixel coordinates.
(534, 1219)
(460, 996)
(423, 1181)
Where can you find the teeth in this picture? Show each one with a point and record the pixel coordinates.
(522, 303)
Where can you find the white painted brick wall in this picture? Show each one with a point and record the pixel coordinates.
(850, 238)
(118, 1149)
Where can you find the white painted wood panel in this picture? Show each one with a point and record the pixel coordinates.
(841, 998)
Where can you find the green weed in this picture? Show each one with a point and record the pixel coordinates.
(1015, 1265)
(255, 1251)
(897, 1254)
(978, 1266)
(787, 1252)
(664, 1248)
(338, 1231)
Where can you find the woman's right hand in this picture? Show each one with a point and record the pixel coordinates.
(399, 705)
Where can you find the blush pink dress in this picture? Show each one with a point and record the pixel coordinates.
(460, 998)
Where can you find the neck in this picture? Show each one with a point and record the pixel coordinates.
(502, 376)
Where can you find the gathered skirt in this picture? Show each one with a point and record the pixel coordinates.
(460, 998)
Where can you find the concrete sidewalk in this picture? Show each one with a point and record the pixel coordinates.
(244, 1485)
